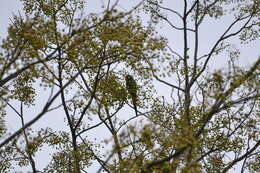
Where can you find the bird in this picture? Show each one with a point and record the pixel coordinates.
(131, 87)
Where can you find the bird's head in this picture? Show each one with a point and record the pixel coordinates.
(128, 77)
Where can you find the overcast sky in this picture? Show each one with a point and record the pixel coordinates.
(8, 7)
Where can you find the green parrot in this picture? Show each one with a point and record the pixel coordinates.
(131, 87)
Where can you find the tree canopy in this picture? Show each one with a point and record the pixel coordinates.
(186, 114)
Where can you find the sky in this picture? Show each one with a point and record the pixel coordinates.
(211, 29)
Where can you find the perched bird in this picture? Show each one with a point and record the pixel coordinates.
(131, 87)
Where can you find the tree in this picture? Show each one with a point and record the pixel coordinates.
(207, 121)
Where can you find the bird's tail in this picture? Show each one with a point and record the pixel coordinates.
(135, 107)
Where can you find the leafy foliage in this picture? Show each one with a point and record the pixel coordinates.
(190, 118)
